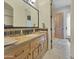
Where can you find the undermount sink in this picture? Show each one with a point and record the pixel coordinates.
(9, 41)
(32, 35)
(35, 34)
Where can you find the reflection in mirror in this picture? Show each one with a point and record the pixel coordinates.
(32, 17)
(24, 14)
(8, 15)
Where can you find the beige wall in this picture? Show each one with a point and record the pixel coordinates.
(44, 12)
(72, 28)
(44, 16)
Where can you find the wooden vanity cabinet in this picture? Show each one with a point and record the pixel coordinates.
(41, 47)
(33, 49)
(18, 52)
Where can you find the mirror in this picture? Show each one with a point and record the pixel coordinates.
(20, 13)
(32, 17)
(8, 15)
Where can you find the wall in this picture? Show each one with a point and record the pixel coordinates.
(44, 16)
(72, 29)
(44, 12)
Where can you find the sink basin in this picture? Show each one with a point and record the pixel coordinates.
(8, 41)
(32, 35)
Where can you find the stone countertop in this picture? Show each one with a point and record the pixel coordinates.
(24, 38)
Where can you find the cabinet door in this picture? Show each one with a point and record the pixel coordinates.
(45, 45)
(35, 53)
(34, 44)
(40, 49)
(29, 56)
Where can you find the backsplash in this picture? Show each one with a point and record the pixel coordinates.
(21, 31)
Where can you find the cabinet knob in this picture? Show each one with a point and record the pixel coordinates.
(29, 53)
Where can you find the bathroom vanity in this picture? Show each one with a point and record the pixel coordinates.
(32, 46)
(23, 39)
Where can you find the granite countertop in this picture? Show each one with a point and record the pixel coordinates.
(21, 39)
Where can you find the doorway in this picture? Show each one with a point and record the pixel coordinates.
(59, 28)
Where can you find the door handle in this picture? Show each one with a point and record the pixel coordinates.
(66, 28)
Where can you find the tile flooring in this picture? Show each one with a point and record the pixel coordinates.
(58, 52)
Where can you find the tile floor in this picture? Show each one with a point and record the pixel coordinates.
(57, 52)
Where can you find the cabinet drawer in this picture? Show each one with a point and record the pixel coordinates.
(7, 57)
(34, 44)
(22, 56)
(20, 50)
(26, 47)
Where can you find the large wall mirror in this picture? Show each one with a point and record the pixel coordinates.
(19, 13)
(8, 15)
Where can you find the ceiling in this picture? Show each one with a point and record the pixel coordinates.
(59, 4)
